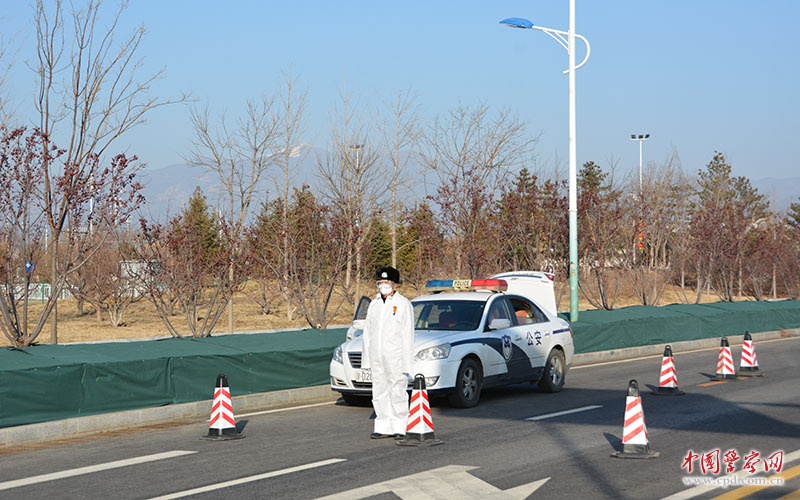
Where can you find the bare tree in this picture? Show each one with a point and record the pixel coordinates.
(317, 253)
(291, 128)
(657, 213)
(106, 283)
(788, 263)
(725, 209)
(6, 64)
(400, 132)
(604, 235)
(189, 258)
(533, 222)
(469, 144)
(423, 256)
(27, 208)
(353, 182)
(91, 97)
(240, 156)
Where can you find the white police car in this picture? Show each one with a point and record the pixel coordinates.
(473, 334)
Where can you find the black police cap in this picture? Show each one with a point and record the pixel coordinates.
(388, 273)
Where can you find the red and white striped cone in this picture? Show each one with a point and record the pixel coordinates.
(419, 430)
(749, 364)
(725, 369)
(222, 424)
(668, 382)
(634, 431)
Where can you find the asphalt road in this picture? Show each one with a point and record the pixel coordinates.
(490, 451)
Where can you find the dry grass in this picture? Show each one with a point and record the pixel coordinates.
(141, 320)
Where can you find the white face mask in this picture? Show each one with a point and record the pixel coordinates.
(385, 288)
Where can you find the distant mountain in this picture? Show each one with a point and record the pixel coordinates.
(780, 192)
(167, 190)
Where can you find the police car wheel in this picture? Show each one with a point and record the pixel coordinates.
(353, 400)
(554, 371)
(468, 385)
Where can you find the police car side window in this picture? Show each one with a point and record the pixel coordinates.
(540, 316)
(499, 309)
(523, 311)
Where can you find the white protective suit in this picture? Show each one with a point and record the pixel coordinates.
(389, 353)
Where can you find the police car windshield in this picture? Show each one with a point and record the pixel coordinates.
(456, 315)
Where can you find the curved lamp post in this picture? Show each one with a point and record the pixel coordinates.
(567, 40)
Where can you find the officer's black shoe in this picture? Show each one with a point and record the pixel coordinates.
(378, 435)
(398, 437)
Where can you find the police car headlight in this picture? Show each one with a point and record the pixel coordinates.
(337, 354)
(432, 353)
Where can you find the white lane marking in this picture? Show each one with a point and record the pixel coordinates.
(661, 355)
(92, 468)
(444, 483)
(284, 409)
(700, 490)
(249, 479)
(565, 412)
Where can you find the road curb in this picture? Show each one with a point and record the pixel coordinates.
(44, 432)
(181, 413)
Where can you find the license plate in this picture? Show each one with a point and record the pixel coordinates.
(363, 376)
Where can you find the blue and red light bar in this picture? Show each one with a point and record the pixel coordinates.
(493, 285)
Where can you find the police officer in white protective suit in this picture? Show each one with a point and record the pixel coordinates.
(389, 352)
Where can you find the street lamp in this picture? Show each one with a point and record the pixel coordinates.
(567, 40)
(641, 138)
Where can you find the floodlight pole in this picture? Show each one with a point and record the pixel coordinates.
(567, 40)
(641, 138)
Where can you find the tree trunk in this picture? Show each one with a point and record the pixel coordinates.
(774, 284)
(53, 280)
(230, 301)
(740, 282)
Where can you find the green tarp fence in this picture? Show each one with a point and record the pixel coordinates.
(53, 382)
(599, 330)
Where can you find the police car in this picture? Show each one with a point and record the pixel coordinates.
(470, 335)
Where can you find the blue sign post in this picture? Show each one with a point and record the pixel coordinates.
(28, 267)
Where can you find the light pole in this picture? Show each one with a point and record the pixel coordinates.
(641, 138)
(567, 40)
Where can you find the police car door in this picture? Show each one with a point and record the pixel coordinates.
(535, 329)
(499, 326)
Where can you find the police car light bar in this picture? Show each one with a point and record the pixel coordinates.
(493, 285)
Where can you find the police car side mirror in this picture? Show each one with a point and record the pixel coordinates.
(499, 324)
(355, 330)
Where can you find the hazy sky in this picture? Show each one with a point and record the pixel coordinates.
(698, 75)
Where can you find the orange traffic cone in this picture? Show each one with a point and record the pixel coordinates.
(420, 423)
(634, 431)
(749, 364)
(668, 383)
(222, 425)
(725, 362)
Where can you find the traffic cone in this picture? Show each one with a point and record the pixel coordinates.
(420, 423)
(222, 425)
(668, 383)
(749, 364)
(634, 431)
(725, 362)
